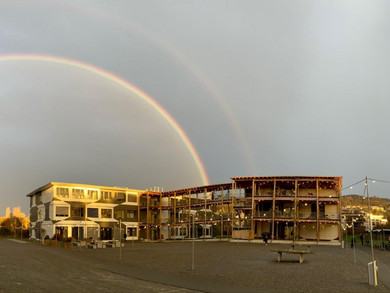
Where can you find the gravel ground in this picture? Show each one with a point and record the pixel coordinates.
(166, 267)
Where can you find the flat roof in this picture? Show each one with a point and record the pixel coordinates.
(287, 177)
(50, 184)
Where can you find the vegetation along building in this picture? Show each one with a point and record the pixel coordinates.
(300, 208)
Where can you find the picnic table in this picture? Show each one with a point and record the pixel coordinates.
(292, 250)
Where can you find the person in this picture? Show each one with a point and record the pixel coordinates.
(265, 239)
(124, 237)
(352, 242)
(362, 238)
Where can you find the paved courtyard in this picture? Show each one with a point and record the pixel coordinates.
(166, 267)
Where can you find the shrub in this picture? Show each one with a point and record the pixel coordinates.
(4, 231)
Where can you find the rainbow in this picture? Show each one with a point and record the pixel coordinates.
(111, 77)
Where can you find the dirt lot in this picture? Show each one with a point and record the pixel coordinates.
(166, 267)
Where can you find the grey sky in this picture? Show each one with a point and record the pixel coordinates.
(260, 88)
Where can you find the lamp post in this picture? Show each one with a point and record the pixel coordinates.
(353, 240)
(193, 243)
(120, 238)
(370, 222)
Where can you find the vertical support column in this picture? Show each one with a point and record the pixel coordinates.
(318, 210)
(252, 211)
(160, 218)
(139, 214)
(273, 210)
(189, 214)
(339, 184)
(234, 186)
(174, 215)
(221, 220)
(147, 216)
(295, 209)
(205, 214)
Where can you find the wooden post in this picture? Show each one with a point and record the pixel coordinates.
(147, 216)
(273, 211)
(189, 214)
(295, 209)
(318, 210)
(174, 215)
(339, 207)
(159, 216)
(222, 195)
(252, 211)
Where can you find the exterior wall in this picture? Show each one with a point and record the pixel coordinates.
(285, 208)
(61, 209)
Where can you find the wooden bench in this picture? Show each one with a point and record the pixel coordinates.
(293, 251)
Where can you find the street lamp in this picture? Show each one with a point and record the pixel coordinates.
(193, 242)
(353, 239)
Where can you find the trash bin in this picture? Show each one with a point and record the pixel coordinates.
(372, 273)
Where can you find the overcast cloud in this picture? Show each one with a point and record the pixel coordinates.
(260, 87)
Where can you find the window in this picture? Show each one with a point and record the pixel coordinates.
(77, 193)
(39, 198)
(119, 214)
(131, 231)
(62, 192)
(77, 212)
(130, 215)
(106, 195)
(93, 213)
(62, 212)
(120, 196)
(106, 213)
(131, 198)
(92, 194)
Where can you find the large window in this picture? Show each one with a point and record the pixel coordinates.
(92, 194)
(62, 211)
(130, 214)
(62, 192)
(119, 214)
(106, 213)
(77, 193)
(77, 212)
(131, 198)
(92, 212)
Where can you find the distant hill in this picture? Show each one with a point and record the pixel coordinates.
(359, 200)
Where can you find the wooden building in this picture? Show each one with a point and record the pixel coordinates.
(305, 208)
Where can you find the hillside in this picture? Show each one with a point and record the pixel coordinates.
(358, 200)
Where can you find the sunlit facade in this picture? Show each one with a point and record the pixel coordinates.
(64, 210)
(281, 208)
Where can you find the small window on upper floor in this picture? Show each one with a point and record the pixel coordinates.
(106, 195)
(131, 198)
(77, 193)
(62, 192)
(38, 199)
(92, 194)
(120, 196)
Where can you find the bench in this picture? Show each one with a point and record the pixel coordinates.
(292, 251)
(92, 245)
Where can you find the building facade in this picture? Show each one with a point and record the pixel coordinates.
(285, 208)
(80, 211)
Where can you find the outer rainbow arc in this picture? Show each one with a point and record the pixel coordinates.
(127, 86)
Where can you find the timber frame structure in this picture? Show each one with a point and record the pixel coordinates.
(293, 208)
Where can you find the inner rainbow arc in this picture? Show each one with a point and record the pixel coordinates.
(136, 91)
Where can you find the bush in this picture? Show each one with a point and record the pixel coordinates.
(4, 231)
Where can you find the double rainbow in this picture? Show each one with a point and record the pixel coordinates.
(137, 92)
